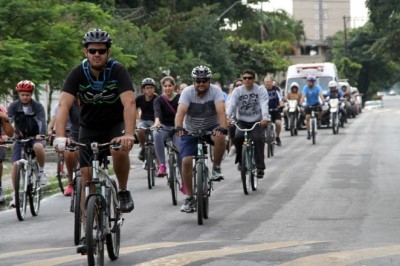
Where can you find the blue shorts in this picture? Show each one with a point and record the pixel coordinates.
(189, 144)
(16, 155)
(145, 123)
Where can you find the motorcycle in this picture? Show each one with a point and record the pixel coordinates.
(293, 114)
(335, 115)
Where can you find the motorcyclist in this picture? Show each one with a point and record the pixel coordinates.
(294, 94)
(334, 93)
(349, 101)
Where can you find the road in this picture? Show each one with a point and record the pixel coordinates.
(333, 203)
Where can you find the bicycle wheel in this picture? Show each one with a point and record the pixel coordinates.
(253, 178)
(149, 160)
(35, 192)
(60, 172)
(173, 183)
(313, 130)
(94, 227)
(245, 171)
(113, 239)
(20, 191)
(271, 147)
(77, 209)
(199, 193)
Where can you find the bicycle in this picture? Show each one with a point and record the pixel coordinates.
(174, 168)
(103, 216)
(27, 185)
(313, 123)
(150, 157)
(248, 163)
(62, 177)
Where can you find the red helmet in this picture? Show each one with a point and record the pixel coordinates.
(25, 85)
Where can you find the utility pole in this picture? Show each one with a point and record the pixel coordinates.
(321, 20)
(345, 35)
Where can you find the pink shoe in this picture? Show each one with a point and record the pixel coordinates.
(68, 190)
(183, 188)
(162, 170)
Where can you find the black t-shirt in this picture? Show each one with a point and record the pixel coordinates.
(146, 107)
(164, 112)
(99, 101)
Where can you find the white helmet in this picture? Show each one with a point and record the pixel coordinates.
(332, 84)
(294, 84)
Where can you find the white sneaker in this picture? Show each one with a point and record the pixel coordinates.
(42, 178)
(2, 200)
(232, 151)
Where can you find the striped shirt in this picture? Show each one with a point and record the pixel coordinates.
(201, 113)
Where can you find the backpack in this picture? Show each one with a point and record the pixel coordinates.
(26, 125)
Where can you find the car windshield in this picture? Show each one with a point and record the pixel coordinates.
(321, 81)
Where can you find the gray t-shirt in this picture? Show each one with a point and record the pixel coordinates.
(201, 113)
(249, 105)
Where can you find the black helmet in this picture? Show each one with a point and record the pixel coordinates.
(148, 81)
(97, 36)
(201, 72)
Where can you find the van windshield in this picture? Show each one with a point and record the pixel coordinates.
(321, 81)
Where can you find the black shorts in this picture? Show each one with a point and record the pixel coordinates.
(317, 108)
(275, 115)
(87, 135)
(2, 154)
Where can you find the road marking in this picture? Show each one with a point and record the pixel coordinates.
(345, 257)
(27, 252)
(126, 250)
(190, 257)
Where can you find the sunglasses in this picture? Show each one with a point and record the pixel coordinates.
(249, 78)
(201, 80)
(94, 51)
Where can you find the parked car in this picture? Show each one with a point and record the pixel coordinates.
(376, 104)
(392, 93)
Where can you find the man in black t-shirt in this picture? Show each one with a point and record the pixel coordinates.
(107, 101)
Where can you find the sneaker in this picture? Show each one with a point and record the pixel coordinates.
(68, 190)
(232, 151)
(42, 178)
(141, 154)
(189, 205)
(278, 141)
(82, 247)
(308, 135)
(12, 203)
(216, 174)
(162, 170)
(125, 201)
(260, 173)
(1, 196)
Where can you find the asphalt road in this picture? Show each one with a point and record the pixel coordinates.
(333, 203)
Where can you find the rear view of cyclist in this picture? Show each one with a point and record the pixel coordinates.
(311, 96)
(249, 104)
(201, 107)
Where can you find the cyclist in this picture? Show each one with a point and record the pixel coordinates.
(275, 102)
(165, 108)
(29, 119)
(146, 104)
(231, 131)
(293, 94)
(249, 104)
(201, 107)
(7, 128)
(72, 128)
(311, 96)
(107, 101)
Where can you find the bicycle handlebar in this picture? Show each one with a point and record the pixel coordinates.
(94, 145)
(246, 129)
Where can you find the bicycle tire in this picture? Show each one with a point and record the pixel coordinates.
(34, 190)
(172, 178)
(272, 147)
(244, 171)
(206, 194)
(313, 133)
(94, 227)
(149, 166)
(153, 167)
(253, 178)
(199, 193)
(60, 169)
(113, 239)
(20, 191)
(77, 209)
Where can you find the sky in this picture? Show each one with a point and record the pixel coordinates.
(358, 11)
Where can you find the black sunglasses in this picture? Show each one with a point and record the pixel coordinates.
(201, 80)
(250, 78)
(94, 51)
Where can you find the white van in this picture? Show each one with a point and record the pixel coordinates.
(324, 72)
